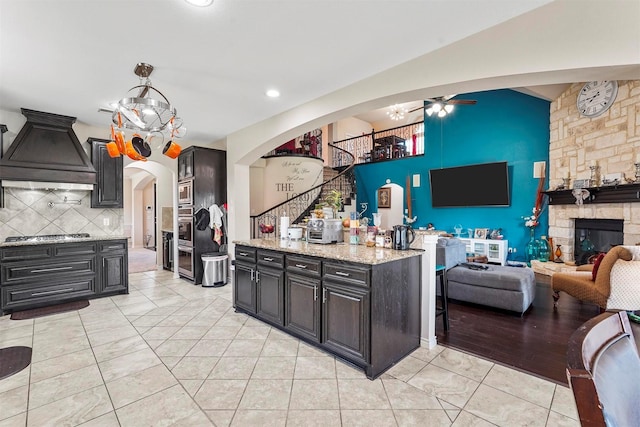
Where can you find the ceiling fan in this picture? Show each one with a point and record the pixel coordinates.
(443, 105)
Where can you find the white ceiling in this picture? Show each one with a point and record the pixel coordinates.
(214, 64)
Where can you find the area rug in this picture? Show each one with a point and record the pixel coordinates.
(13, 360)
(49, 310)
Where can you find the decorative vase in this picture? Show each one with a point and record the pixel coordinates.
(558, 253)
(532, 248)
(543, 249)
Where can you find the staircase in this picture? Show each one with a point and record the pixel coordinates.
(300, 206)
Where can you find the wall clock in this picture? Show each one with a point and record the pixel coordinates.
(596, 97)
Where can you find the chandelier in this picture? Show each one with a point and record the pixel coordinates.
(145, 111)
(396, 112)
(439, 109)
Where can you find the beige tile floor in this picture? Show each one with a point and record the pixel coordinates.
(171, 353)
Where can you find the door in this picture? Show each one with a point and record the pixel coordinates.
(244, 295)
(114, 273)
(108, 191)
(303, 306)
(270, 294)
(345, 329)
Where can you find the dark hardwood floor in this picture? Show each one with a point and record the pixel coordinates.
(535, 343)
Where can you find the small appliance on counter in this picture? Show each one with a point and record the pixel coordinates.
(403, 236)
(322, 230)
(295, 233)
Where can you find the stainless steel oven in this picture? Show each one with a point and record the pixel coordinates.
(185, 230)
(186, 264)
(185, 192)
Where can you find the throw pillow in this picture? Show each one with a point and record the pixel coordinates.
(596, 265)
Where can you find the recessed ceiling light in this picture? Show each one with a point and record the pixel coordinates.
(272, 93)
(200, 3)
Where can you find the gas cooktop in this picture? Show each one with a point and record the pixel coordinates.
(46, 237)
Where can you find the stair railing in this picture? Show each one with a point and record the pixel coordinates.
(299, 206)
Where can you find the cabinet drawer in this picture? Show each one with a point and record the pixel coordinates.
(46, 269)
(16, 296)
(348, 273)
(25, 253)
(245, 254)
(115, 245)
(302, 265)
(272, 259)
(71, 249)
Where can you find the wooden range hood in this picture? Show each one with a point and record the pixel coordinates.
(47, 150)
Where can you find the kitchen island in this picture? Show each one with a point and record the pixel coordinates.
(44, 272)
(360, 304)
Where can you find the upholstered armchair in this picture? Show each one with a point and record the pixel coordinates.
(616, 285)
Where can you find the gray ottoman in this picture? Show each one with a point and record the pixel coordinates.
(508, 288)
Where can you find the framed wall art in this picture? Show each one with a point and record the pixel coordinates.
(384, 197)
(480, 233)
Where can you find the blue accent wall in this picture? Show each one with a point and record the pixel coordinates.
(504, 125)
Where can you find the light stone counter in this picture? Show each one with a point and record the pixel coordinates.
(340, 251)
(48, 242)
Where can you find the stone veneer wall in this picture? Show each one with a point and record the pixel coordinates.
(612, 140)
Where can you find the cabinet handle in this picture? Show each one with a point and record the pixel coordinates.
(252, 275)
(243, 253)
(324, 295)
(340, 273)
(113, 247)
(267, 259)
(350, 298)
(57, 291)
(42, 270)
(257, 276)
(103, 260)
(315, 292)
(301, 266)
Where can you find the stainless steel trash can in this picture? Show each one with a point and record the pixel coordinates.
(215, 269)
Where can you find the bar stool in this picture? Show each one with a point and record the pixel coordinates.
(441, 271)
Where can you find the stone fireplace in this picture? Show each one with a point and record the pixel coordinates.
(610, 141)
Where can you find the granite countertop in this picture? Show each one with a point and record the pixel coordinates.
(340, 251)
(60, 241)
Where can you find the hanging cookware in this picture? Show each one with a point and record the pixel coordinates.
(140, 145)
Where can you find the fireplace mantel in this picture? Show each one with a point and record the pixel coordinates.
(606, 194)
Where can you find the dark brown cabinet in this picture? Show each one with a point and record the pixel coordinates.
(202, 182)
(345, 320)
(108, 191)
(302, 309)
(366, 314)
(114, 267)
(244, 283)
(46, 274)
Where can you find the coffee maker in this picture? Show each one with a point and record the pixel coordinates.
(403, 236)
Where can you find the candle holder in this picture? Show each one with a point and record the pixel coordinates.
(593, 181)
(566, 182)
(637, 172)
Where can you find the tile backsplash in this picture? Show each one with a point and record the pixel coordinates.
(36, 212)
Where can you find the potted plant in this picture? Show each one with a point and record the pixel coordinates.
(334, 201)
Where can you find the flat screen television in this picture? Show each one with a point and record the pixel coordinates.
(485, 184)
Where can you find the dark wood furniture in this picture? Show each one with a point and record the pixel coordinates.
(108, 191)
(441, 272)
(367, 315)
(45, 274)
(603, 369)
(603, 194)
(388, 147)
(207, 168)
